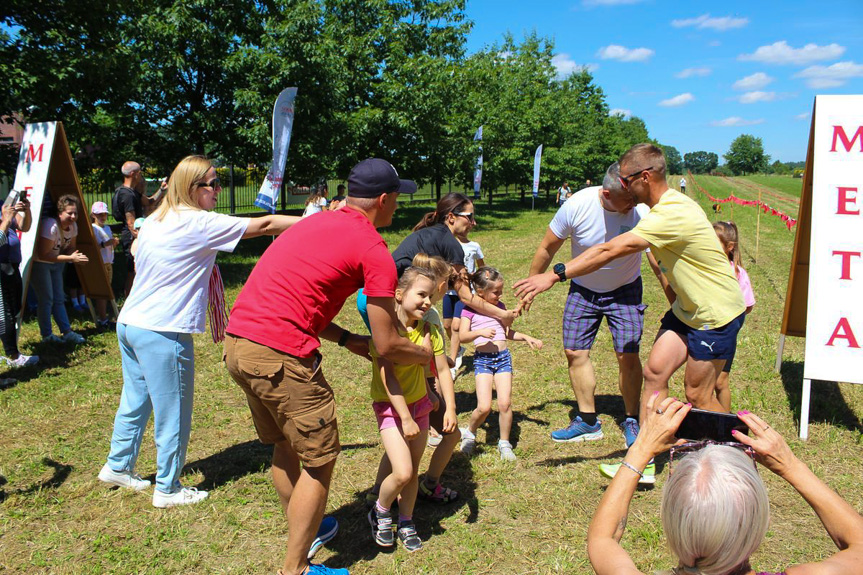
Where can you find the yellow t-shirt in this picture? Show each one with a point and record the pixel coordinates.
(689, 254)
(412, 378)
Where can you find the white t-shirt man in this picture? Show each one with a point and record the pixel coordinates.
(173, 265)
(585, 220)
(472, 252)
(50, 229)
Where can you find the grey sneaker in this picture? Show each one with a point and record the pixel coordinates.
(185, 496)
(127, 479)
(408, 536)
(506, 452)
(468, 441)
(23, 360)
(382, 527)
(72, 337)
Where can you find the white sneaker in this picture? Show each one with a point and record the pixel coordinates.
(459, 357)
(126, 479)
(185, 496)
(453, 371)
(434, 440)
(23, 360)
(505, 449)
(72, 337)
(468, 441)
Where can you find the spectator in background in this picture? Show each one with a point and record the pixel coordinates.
(317, 201)
(563, 193)
(682, 185)
(55, 247)
(339, 199)
(129, 202)
(15, 218)
(106, 241)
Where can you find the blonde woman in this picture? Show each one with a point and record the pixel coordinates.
(177, 249)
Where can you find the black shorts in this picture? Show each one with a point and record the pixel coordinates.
(706, 344)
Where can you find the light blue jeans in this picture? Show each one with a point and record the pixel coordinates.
(158, 376)
(47, 282)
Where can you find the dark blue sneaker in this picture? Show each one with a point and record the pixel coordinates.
(328, 529)
(317, 569)
(578, 430)
(630, 430)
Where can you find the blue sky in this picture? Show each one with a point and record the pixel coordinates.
(699, 73)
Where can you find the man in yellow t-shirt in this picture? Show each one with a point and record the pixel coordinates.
(707, 311)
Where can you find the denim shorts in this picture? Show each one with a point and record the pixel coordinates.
(706, 344)
(621, 308)
(494, 362)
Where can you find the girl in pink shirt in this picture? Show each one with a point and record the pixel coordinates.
(492, 361)
(729, 239)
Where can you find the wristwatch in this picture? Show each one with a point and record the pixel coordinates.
(560, 270)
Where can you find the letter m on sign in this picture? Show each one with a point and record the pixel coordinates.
(34, 153)
(839, 135)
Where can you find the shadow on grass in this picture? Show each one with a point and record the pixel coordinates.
(52, 355)
(826, 403)
(61, 473)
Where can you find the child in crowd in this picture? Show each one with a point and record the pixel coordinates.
(729, 239)
(402, 401)
(492, 361)
(106, 241)
(452, 306)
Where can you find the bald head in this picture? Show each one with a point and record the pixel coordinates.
(129, 169)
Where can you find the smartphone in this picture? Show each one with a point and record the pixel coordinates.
(23, 196)
(11, 199)
(701, 424)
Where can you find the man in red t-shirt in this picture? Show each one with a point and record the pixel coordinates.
(271, 350)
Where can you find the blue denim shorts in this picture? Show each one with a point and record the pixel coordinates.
(495, 362)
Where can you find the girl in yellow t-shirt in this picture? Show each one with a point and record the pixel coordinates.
(400, 396)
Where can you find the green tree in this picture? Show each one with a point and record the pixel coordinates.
(746, 155)
(700, 162)
(673, 160)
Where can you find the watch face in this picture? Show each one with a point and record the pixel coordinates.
(559, 268)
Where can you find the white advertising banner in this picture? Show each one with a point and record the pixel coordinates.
(537, 159)
(283, 123)
(834, 323)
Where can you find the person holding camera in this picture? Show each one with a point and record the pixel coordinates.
(715, 511)
(16, 217)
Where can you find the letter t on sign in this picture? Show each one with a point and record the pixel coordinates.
(846, 262)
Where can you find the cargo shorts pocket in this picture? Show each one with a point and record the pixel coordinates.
(316, 437)
(262, 377)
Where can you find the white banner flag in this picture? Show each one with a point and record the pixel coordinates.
(537, 158)
(477, 172)
(283, 122)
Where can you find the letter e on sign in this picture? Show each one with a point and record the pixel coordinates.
(847, 196)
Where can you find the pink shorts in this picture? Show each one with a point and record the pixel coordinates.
(387, 416)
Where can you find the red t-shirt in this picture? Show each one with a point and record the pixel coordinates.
(303, 279)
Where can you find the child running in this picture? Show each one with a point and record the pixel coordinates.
(452, 306)
(492, 361)
(729, 239)
(401, 401)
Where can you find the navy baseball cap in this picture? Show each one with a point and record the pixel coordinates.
(374, 176)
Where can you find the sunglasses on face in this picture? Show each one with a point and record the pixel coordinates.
(468, 215)
(625, 180)
(680, 451)
(215, 183)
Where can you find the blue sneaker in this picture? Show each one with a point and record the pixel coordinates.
(630, 430)
(318, 569)
(578, 430)
(328, 529)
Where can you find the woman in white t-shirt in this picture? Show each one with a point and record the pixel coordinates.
(177, 247)
(55, 246)
(317, 201)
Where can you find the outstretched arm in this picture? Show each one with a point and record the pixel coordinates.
(663, 281)
(271, 225)
(545, 252)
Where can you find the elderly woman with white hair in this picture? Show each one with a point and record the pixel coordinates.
(715, 510)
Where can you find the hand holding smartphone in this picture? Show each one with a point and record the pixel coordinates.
(701, 424)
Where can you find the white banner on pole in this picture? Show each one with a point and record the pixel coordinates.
(537, 159)
(834, 323)
(283, 123)
(477, 172)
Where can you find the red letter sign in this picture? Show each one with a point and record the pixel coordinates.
(846, 333)
(845, 198)
(839, 134)
(33, 152)
(846, 263)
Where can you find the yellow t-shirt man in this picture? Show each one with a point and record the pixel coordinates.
(412, 378)
(689, 254)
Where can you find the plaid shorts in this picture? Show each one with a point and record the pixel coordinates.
(622, 309)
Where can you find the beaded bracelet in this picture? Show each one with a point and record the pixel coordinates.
(628, 466)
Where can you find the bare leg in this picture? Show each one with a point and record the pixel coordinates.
(399, 455)
(503, 385)
(409, 491)
(483, 401)
(723, 391)
(630, 380)
(582, 378)
(454, 342)
(286, 472)
(441, 456)
(669, 352)
(700, 383)
(102, 309)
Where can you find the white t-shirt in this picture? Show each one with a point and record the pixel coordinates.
(102, 236)
(172, 269)
(584, 219)
(682, 182)
(472, 252)
(315, 207)
(50, 229)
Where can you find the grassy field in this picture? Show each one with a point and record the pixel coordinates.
(527, 517)
(785, 184)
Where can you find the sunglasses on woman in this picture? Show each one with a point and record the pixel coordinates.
(680, 451)
(468, 215)
(215, 183)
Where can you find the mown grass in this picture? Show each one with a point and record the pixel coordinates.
(527, 517)
(784, 184)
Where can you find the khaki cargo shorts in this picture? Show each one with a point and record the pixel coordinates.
(289, 397)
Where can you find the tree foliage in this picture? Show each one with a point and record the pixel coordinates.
(673, 160)
(746, 155)
(700, 162)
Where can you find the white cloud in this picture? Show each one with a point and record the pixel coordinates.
(782, 53)
(804, 116)
(830, 76)
(690, 72)
(565, 65)
(678, 100)
(624, 54)
(754, 82)
(735, 121)
(714, 43)
(706, 21)
(609, 2)
(753, 97)
(620, 112)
